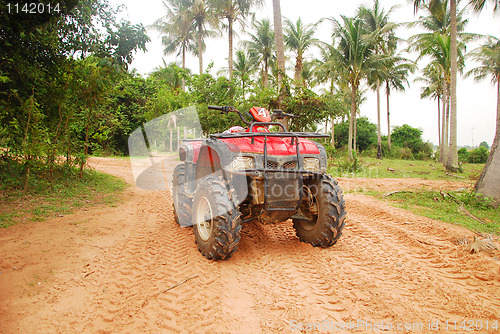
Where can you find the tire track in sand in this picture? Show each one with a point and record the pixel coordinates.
(389, 265)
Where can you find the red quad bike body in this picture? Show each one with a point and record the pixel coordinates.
(252, 174)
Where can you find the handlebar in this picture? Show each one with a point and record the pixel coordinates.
(226, 109)
(278, 114)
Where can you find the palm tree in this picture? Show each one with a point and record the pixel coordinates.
(234, 11)
(432, 77)
(177, 29)
(299, 38)
(354, 56)
(488, 55)
(377, 22)
(244, 66)
(202, 17)
(452, 159)
(489, 176)
(170, 74)
(261, 46)
(396, 72)
(438, 47)
(280, 51)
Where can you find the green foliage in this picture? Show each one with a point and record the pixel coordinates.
(345, 166)
(405, 153)
(309, 108)
(478, 155)
(58, 70)
(406, 136)
(485, 145)
(366, 134)
(463, 155)
(410, 138)
(331, 151)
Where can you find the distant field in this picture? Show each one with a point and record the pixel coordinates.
(392, 168)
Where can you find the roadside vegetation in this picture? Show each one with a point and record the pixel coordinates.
(463, 208)
(62, 195)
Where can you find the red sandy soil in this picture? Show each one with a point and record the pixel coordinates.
(109, 269)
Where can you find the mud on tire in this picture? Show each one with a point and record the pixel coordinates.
(181, 202)
(326, 226)
(216, 222)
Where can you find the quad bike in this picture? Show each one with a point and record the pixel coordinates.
(253, 174)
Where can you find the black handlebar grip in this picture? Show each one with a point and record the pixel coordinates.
(215, 108)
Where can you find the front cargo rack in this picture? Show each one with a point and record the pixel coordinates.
(294, 141)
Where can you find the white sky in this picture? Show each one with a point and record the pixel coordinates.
(476, 100)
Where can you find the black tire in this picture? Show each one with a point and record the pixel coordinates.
(181, 202)
(217, 237)
(326, 226)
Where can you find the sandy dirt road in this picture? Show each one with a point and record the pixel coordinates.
(118, 269)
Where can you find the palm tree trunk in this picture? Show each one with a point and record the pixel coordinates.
(280, 47)
(446, 132)
(439, 121)
(354, 144)
(200, 48)
(183, 68)
(452, 161)
(387, 93)
(298, 68)
(379, 138)
(351, 121)
(332, 140)
(264, 75)
(489, 181)
(444, 141)
(230, 57)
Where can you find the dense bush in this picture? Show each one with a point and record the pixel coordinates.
(463, 155)
(408, 137)
(478, 155)
(366, 134)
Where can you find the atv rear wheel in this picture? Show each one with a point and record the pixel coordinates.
(182, 203)
(216, 222)
(325, 209)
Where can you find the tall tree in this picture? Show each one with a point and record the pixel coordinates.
(280, 50)
(244, 65)
(395, 74)
(203, 18)
(178, 31)
(299, 37)
(432, 77)
(261, 46)
(377, 22)
(437, 44)
(234, 11)
(489, 180)
(354, 56)
(451, 162)
(488, 56)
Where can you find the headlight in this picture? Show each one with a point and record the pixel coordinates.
(243, 163)
(311, 164)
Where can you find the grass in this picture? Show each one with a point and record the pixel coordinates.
(430, 203)
(58, 198)
(434, 205)
(427, 170)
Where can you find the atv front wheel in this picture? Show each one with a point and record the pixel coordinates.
(216, 222)
(324, 207)
(182, 203)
